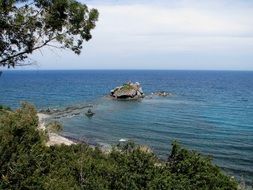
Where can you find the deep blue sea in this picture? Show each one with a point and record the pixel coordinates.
(209, 111)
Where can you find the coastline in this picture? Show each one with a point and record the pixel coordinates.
(53, 138)
(59, 139)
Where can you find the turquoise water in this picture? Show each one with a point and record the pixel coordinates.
(209, 111)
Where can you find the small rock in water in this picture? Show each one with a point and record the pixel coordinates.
(162, 93)
(122, 140)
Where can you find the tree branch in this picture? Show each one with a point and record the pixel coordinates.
(26, 51)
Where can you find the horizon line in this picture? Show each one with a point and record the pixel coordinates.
(235, 70)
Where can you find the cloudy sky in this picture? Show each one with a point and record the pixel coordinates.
(164, 34)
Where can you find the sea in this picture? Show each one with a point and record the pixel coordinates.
(208, 111)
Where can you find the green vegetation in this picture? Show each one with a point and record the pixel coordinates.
(54, 127)
(26, 163)
(29, 25)
(127, 87)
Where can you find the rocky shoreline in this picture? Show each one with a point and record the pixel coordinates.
(59, 139)
(58, 113)
(53, 138)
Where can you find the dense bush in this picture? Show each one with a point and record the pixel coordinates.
(26, 163)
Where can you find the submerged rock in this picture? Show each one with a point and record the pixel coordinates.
(162, 93)
(128, 91)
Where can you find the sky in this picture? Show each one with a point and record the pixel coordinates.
(163, 34)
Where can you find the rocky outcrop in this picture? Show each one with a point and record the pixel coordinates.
(128, 91)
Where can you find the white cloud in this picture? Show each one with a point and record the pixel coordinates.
(219, 29)
(141, 25)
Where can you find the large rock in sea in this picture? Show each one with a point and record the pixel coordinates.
(128, 91)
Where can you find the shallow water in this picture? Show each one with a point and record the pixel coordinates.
(209, 111)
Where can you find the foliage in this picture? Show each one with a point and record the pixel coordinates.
(26, 163)
(54, 127)
(19, 145)
(28, 25)
(197, 170)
